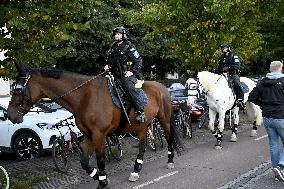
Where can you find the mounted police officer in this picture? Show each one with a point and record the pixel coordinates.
(230, 63)
(125, 65)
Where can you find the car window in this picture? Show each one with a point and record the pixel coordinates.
(179, 93)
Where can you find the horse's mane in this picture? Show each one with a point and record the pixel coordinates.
(210, 80)
(53, 73)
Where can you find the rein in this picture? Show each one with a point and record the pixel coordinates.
(76, 88)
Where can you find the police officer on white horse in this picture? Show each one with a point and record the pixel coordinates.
(230, 63)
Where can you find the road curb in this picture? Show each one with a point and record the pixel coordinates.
(245, 179)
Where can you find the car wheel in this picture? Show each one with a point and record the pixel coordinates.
(28, 146)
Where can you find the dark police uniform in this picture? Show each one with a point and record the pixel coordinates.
(231, 64)
(124, 57)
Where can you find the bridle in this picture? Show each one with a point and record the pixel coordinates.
(22, 89)
(206, 92)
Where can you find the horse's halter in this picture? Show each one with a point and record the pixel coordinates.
(198, 90)
(22, 90)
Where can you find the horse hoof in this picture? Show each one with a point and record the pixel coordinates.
(170, 166)
(102, 187)
(217, 147)
(253, 133)
(133, 177)
(233, 139)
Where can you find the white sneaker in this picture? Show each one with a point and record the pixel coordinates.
(279, 173)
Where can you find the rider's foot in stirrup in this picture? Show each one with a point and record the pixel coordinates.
(141, 117)
(240, 103)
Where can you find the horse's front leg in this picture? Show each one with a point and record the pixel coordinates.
(236, 118)
(100, 173)
(134, 176)
(211, 126)
(88, 150)
(219, 134)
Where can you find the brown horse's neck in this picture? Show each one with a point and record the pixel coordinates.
(68, 89)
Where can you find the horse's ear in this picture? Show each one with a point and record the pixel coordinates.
(195, 74)
(22, 70)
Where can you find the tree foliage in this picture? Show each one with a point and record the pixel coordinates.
(171, 35)
(194, 30)
(37, 28)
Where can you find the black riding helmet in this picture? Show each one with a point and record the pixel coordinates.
(121, 30)
(225, 46)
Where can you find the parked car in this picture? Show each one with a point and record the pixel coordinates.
(179, 95)
(35, 134)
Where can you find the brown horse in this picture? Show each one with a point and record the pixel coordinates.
(89, 99)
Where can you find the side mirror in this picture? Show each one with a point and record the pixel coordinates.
(3, 115)
(193, 86)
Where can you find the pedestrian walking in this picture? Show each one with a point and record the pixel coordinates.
(269, 95)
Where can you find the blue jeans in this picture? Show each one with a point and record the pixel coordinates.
(275, 130)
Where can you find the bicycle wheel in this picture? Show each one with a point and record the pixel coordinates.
(151, 139)
(4, 178)
(114, 147)
(158, 133)
(107, 152)
(181, 125)
(76, 147)
(204, 118)
(60, 155)
(187, 125)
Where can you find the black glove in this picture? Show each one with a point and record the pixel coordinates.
(225, 69)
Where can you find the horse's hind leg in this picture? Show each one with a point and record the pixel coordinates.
(173, 140)
(134, 176)
(254, 114)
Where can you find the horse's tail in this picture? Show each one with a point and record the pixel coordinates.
(175, 137)
(254, 113)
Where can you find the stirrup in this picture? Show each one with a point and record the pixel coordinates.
(141, 117)
(240, 104)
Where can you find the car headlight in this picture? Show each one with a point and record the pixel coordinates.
(42, 125)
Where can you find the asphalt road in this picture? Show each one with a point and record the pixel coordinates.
(244, 164)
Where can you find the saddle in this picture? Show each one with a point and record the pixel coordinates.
(120, 93)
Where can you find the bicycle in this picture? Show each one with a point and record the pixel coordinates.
(4, 178)
(155, 135)
(63, 148)
(205, 117)
(182, 118)
(113, 147)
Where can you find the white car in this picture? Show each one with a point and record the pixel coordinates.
(37, 132)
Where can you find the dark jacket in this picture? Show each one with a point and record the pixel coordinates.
(269, 95)
(231, 61)
(124, 57)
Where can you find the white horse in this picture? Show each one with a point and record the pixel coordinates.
(221, 98)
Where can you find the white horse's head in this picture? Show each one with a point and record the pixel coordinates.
(209, 81)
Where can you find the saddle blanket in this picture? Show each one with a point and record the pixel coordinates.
(143, 99)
